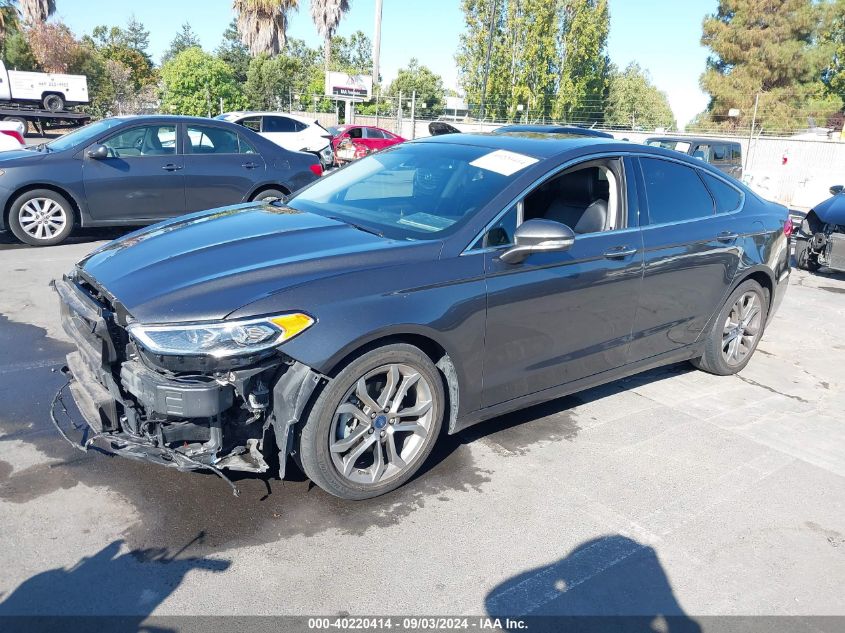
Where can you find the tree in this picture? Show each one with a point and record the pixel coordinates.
(584, 62)
(53, 46)
(14, 46)
(327, 15)
(140, 68)
(136, 36)
(546, 57)
(352, 55)
(262, 24)
(767, 47)
(193, 82)
(833, 37)
(427, 85)
(185, 39)
(36, 11)
(234, 52)
(271, 82)
(633, 102)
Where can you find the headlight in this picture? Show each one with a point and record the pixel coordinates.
(223, 338)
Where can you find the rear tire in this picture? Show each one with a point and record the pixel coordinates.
(53, 102)
(360, 444)
(269, 195)
(736, 332)
(41, 217)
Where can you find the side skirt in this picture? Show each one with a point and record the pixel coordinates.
(667, 358)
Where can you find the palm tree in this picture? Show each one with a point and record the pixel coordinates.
(327, 15)
(36, 11)
(262, 24)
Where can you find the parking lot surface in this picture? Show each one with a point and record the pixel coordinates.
(673, 492)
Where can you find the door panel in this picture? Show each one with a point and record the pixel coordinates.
(558, 317)
(216, 173)
(141, 180)
(688, 271)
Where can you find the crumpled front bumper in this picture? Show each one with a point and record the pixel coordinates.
(116, 397)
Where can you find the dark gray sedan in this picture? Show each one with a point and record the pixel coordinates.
(435, 284)
(138, 170)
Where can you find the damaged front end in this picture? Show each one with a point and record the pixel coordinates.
(820, 243)
(190, 412)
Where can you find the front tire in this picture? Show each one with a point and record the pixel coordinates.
(736, 332)
(41, 217)
(375, 424)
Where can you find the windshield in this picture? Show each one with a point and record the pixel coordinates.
(419, 191)
(680, 146)
(83, 135)
(333, 130)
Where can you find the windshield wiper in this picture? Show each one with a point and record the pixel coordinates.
(360, 227)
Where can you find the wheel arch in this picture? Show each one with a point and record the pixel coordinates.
(762, 276)
(74, 203)
(422, 339)
(264, 187)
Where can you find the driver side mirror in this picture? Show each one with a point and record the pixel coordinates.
(98, 152)
(538, 236)
(836, 189)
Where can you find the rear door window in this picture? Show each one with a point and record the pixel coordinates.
(212, 140)
(674, 192)
(372, 133)
(253, 123)
(278, 124)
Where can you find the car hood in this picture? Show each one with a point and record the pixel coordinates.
(206, 265)
(832, 210)
(20, 155)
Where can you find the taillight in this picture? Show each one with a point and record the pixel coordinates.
(788, 227)
(317, 169)
(15, 135)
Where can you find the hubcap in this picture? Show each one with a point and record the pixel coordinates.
(742, 327)
(381, 425)
(42, 218)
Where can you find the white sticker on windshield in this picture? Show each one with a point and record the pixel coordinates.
(503, 162)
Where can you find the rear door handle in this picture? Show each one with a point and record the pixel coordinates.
(249, 165)
(171, 167)
(727, 236)
(620, 252)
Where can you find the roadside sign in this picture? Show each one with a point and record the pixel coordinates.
(349, 87)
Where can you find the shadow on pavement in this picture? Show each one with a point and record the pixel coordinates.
(130, 585)
(611, 583)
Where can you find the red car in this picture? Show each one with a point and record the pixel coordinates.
(365, 138)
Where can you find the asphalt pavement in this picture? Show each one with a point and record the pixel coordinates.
(672, 492)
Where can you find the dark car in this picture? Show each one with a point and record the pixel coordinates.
(726, 156)
(552, 129)
(820, 239)
(138, 170)
(440, 282)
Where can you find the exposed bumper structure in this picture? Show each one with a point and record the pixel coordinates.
(212, 420)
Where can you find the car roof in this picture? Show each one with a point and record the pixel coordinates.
(691, 139)
(243, 113)
(536, 144)
(553, 129)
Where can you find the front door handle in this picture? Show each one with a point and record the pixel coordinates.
(727, 236)
(171, 167)
(620, 252)
(249, 165)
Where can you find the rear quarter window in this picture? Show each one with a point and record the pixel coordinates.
(674, 192)
(726, 197)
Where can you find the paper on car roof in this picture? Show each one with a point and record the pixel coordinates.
(503, 162)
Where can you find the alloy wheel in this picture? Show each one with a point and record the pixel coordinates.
(382, 424)
(42, 218)
(742, 328)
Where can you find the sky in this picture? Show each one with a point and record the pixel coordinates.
(662, 35)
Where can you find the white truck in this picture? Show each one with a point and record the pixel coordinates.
(52, 91)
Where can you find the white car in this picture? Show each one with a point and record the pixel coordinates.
(11, 135)
(296, 133)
